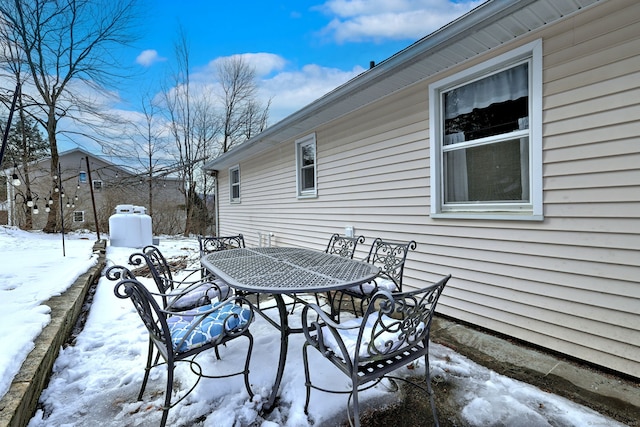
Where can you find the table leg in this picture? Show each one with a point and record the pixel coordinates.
(284, 344)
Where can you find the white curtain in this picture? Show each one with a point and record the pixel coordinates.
(506, 85)
(457, 180)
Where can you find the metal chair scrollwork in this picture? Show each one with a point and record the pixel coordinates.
(393, 332)
(210, 244)
(343, 246)
(391, 257)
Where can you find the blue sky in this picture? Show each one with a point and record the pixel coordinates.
(300, 49)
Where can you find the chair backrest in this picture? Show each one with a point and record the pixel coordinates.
(343, 246)
(394, 322)
(210, 244)
(390, 257)
(154, 319)
(158, 267)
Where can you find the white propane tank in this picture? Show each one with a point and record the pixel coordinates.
(124, 227)
(146, 233)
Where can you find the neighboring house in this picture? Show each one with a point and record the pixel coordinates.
(112, 185)
(506, 144)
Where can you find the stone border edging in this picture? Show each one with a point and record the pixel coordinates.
(18, 405)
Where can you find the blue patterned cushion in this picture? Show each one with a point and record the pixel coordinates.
(198, 296)
(229, 317)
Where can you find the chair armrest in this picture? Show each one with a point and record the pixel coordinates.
(324, 323)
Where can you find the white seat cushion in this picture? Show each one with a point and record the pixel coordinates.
(370, 287)
(198, 296)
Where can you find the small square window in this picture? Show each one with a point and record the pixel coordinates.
(82, 177)
(78, 216)
(97, 185)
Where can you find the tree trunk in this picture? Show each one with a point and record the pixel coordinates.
(52, 218)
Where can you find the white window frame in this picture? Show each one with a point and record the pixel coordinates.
(97, 185)
(233, 184)
(501, 211)
(81, 214)
(82, 177)
(309, 140)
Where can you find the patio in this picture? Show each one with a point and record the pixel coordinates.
(62, 405)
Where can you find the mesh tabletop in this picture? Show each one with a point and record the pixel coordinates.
(285, 270)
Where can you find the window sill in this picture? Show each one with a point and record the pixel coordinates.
(499, 216)
(307, 196)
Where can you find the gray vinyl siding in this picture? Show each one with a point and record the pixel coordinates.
(568, 283)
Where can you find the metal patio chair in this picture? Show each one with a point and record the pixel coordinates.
(210, 244)
(391, 257)
(180, 337)
(343, 246)
(393, 332)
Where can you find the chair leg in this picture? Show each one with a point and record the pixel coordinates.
(147, 369)
(307, 377)
(427, 369)
(247, 383)
(293, 306)
(356, 406)
(167, 396)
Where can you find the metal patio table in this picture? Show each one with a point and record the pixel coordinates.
(286, 270)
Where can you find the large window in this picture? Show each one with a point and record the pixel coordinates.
(485, 138)
(234, 184)
(306, 166)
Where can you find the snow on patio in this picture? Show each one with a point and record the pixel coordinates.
(96, 381)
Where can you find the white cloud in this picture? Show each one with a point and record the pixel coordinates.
(288, 89)
(292, 90)
(376, 20)
(263, 63)
(149, 57)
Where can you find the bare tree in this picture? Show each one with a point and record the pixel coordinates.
(62, 42)
(179, 105)
(242, 116)
(146, 146)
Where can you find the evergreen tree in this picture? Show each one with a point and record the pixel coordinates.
(26, 143)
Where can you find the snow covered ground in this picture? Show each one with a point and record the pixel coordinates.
(96, 381)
